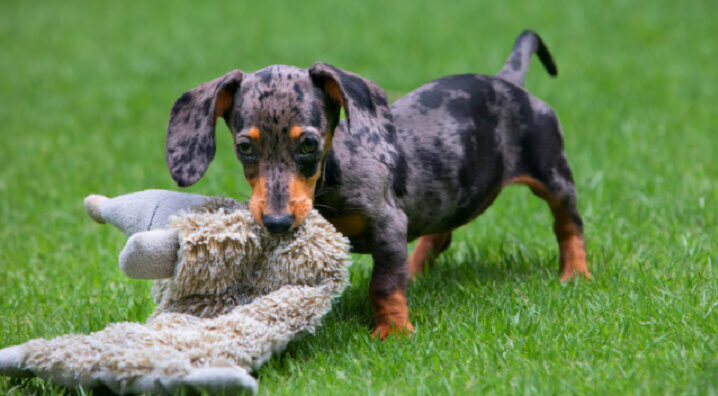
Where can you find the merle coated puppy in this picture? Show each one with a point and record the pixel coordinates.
(432, 162)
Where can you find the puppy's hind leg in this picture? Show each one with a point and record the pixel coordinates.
(427, 249)
(567, 225)
(549, 176)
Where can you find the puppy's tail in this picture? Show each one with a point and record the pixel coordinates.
(517, 65)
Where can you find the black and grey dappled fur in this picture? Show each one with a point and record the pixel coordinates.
(463, 137)
(431, 162)
(274, 99)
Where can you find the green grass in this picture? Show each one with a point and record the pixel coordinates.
(85, 92)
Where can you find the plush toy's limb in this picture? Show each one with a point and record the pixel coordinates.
(150, 254)
(140, 211)
(12, 362)
(214, 380)
(279, 317)
(161, 357)
(220, 380)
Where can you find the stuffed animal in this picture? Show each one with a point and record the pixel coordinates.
(233, 295)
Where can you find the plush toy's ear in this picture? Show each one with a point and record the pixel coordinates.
(150, 254)
(369, 118)
(190, 135)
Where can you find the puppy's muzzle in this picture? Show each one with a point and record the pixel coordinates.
(279, 224)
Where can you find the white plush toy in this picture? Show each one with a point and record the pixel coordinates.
(234, 294)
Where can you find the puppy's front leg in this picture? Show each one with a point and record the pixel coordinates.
(390, 277)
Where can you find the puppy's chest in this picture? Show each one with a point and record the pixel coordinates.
(348, 219)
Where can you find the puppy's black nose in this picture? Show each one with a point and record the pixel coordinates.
(278, 225)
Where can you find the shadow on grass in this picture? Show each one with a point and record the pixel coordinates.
(469, 265)
(349, 323)
(37, 386)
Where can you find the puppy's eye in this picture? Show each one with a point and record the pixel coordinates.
(308, 145)
(244, 148)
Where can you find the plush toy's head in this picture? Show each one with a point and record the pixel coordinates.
(227, 259)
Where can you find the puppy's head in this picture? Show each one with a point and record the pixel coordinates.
(282, 119)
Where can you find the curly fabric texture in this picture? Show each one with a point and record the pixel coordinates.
(238, 295)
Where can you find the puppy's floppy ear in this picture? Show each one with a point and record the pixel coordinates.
(369, 118)
(190, 140)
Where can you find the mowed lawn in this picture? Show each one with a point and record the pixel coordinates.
(85, 93)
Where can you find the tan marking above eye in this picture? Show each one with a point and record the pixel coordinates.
(254, 133)
(295, 132)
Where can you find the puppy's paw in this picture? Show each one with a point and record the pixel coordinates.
(567, 276)
(384, 330)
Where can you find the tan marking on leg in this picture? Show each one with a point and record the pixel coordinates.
(254, 133)
(427, 249)
(571, 244)
(391, 315)
(572, 250)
